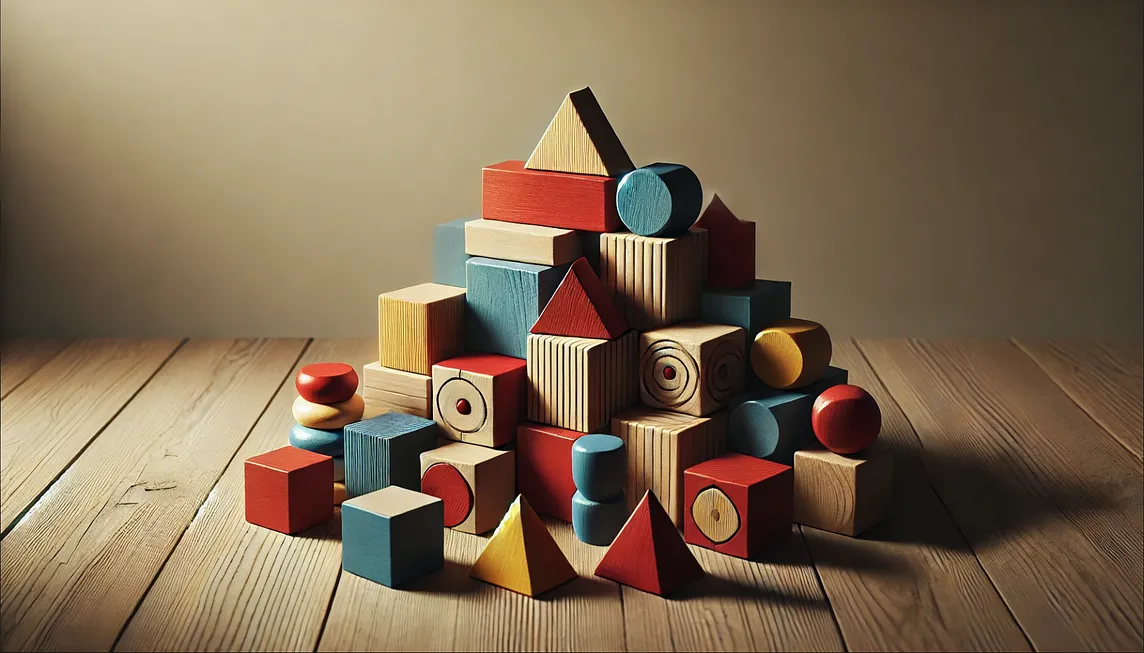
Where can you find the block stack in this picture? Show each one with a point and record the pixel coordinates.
(327, 401)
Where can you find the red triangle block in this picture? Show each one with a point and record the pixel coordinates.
(581, 307)
(730, 246)
(649, 553)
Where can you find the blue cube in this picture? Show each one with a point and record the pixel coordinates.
(753, 309)
(393, 536)
(386, 450)
(503, 300)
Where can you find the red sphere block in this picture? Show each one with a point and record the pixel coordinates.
(326, 383)
(289, 490)
(846, 419)
(737, 505)
(443, 481)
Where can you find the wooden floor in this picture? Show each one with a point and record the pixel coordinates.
(1017, 522)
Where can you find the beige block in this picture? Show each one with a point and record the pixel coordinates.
(842, 494)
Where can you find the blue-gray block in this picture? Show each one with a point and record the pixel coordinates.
(503, 300)
(771, 427)
(660, 200)
(831, 377)
(339, 469)
(326, 442)
(449, 255)
(393, 536)
(753, 308)
(386, 450)
(596, 522)
(599, 466)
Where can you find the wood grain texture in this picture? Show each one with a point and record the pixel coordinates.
(732, 241)
(512, 193)
(21, 357)
(50, 418)
(528, 243)
(479, 398)
(386, 450)
(230, 585)
(77, 566)
(660, 200)
(693, 368)
(1105, 379)
(579, 383)
(581, 307)
(842, 494)
(1049, 501)
(649, 553)
(521, 555)
(655, 281)
(580, 140)
(505, 299)
(488, 476)
(791, 353)
(386, 389)
(737, 504)
(420, 325)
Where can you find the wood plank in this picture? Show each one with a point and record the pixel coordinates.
(230, 585)
(1048, 500)
(21, 357)
(80, 561)
(911, 583)
(49, 419)
(1103, 378)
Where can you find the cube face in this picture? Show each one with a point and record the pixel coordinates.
(842, 494)
(544, 468)
(476, 484)
(737, 504)
(752, 309)
(449, 255)
(693, 368)
(289, 490)
(388, 390)
(386, 450)
(503, 302)
(392, 536)
(655, 281)
(579, 383)
(420, 325)
(479, 398)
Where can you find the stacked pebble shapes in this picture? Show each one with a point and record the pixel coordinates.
(596, 338)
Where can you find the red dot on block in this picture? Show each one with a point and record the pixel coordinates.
(846, 419)
(669, 372)
(446, 483)
(464, 407)
(326, 383)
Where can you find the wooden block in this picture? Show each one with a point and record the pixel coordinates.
(791, 354)
(512, 193)
(386, 450)
(326, 383)
(393, 536)
(328, 416)
(420, 325)
(655, 281)
(581, 307)
(579, 383)
(339, 493)
(477, 484)
(693, 368)
(479, 398)
(754, 308)
(842, 494)
(544, 468)
(648, 553)
(737, 505)
(328, 442)
(449, 255)
(599, 466)
(846, 419)
(734, 241)
(386, 389)
(504, 300)
(831, 377)
(598, 522)
(521, 555)
(527, 243)
(661, 445)
(661, 200)
(289, 490)
(580, 140)
(772, 426)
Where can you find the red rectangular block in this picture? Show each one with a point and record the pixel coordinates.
(544, 468)
(289, 490)
(737, 504)
(512, 193)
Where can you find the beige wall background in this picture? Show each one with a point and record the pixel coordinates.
(267, 168)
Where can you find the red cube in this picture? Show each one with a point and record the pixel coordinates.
(289, 490)
(544, 468)
(737, 504)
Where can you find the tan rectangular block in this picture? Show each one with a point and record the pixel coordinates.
(386, 389)
(842, 494)
(655, 281)
(579, 383)
(420, 325)
(692, 368)
(527, 243)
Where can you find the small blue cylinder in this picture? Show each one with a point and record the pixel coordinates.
(599, 466)
(597, 523)
(330, 443)
(661, 200)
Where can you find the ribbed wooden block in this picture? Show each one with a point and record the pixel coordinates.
(655, 281)
(386, 450)
(386, 389)
(420, 325)
(579, 383)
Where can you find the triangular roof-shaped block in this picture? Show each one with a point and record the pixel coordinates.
(581, 307)
(731, 242)
(580, 140)
(649, 553)
(521, 555)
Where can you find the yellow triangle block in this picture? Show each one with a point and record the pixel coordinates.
(580, 140)
(521, 555)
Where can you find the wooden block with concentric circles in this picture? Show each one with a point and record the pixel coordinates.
(737, 504)
(328, 416)
(479, 398)
(791, 353)
(475, 483)
(693, 368)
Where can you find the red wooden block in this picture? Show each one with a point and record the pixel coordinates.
(648, 554)
(326, 383)
(730, 246)
(737, 504)
(443, 481)
(289, 490)
(512, 193)
(544, 468)
(581, 307)
(479, 398)
(846, 419)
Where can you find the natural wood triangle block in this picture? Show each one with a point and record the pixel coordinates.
(521, 555)
(581, 307)
(649, 554)
(580, 140)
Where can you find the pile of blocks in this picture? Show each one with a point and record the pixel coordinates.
(596, 337)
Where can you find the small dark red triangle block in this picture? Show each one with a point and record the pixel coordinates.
(649, 553)
(733, 240)
(581, 307)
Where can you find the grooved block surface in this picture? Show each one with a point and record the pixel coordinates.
(512, 193)
(449, 255)
(654, 281)
(420, 325)
(386, 450)
(504, 300)
(579, 383)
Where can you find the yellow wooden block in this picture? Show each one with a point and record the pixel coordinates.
(521, 555)
(528, 243)
(328, 416)
(791, 354)
(339, 493)
(420, 325)
(580, 140)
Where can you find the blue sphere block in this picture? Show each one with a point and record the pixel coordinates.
(393, 536)
(386, 450)
(326, 442)
(662, 199)
(449, 255)
(599, 466)
(503, 300)
(597, 522)
(771, 427)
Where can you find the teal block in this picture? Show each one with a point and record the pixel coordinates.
(771, 427)
(831, 377)
(393, 536)
(596, 522)
(503, 299)
(599, 466)
(449, 255)
(662, 200)
(753, 309)
(386, 450)
(325, 442)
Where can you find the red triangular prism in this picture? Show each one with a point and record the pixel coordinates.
(581, 307)
(649, 553)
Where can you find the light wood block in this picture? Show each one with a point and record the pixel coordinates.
(521, 555)
(449, 255)
(504, 300)
(734, 241)
(693, 368)
(655, 281)
(649, 554)
(791, 354)
(581, 307)
(328, 416)
(477, 484)
(392, 536)
(512, 193)
(527, 243)
(661, 199)
(479, 398)
(579, 383)
(386, 389)
(289, 490)
(420, 325)
(842, 494)
(580, 140)
(737, 504)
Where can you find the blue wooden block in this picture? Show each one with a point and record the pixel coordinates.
(772, 427)
(662, 199)
(598, 522)
(326, 442)
(386, 450)
(599, 466)
(504, 298)
(753, 309)
(393, 536)
(449, 255)
(831, 377)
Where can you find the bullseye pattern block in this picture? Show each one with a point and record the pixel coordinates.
(420, 325)
(479, 398)
(386, 389)
(693, 368)
(475, 483)
(579, 383)
(737, 504)
(842, 494)
(655, 281)
(791, 354)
